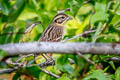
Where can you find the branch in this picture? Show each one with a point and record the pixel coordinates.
(28, 30)
(88, 60)
(113, 59)
(62, 11)
(58, 47)
(50, 73)
(9, 70)
(42, 65)
(77, 36)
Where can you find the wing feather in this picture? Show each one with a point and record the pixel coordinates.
(53, 33)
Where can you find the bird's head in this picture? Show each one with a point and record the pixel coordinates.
(61, 18)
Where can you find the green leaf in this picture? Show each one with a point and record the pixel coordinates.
(62, 59)
(68, 68)
(34, 71)
(63, 64)
(17, 37)
(75, 6)
(112, 64)
(16, 76)
(16, 10)
(97, 74)
(100, 14)
(96, 35)
(115, 20)
(7, 38)
(117, 74)
(112, 37)
(63, 78)
(3, 53)
(5, 6)
(100, 7)
(48, 77)
(112, 76)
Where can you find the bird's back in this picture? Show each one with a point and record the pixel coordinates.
(53, 33)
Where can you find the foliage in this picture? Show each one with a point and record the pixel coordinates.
(102, 15)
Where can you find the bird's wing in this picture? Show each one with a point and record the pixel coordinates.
(53, 33)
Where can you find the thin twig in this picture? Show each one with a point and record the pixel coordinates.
(71, 61)
(8, 61)
(50, 73)
(9, 70)
(86, 1)
(42, 65)
(28, 30)
(62, 11)
(77, 36)
(88, 60)
(113, 59)
(23, 56)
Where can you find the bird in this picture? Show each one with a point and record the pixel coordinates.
(55, 31)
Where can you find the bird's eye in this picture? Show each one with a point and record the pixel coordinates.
(62, 17)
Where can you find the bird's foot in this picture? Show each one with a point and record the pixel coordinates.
(50, 61)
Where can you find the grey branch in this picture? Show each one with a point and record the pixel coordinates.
(77, 36)
(88, 60)
(59, 47)
(62, 11)
(28, 30)
(50, 73)
(9, 70)
(42, 65)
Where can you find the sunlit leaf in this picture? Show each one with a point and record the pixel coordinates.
(63, 78)
(99, 16)
(97, 74)
(117, 74)
(112, 64)
(100, 13)
(75, 6)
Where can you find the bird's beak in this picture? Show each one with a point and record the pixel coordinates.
(69, 18)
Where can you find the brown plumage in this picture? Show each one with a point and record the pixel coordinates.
(55, 31)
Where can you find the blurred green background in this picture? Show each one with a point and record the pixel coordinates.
(100, 15)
